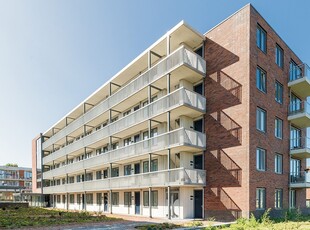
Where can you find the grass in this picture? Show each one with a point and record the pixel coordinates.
(157, 226)
(292, 220)
(39, 217)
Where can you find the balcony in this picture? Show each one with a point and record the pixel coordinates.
(299, 81)
(300, 180)
(300, 147)
(174, 178)
(180, 57)
(180, 139)
(184, 100)
(299, 114)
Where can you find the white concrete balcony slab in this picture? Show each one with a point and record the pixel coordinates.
(299, 81)
(185, 139)
(174, 178)
(180, 57)
(299, 114)
(178, 98)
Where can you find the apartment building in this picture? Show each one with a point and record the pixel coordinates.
(15, 183)
(196, 126)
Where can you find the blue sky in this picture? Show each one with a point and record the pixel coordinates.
(53, 54)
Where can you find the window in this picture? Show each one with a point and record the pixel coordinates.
(260, 198)
(295, 104)
(71, 179)
(261, 117)
(261, 82)
(261, 39)
(115, 145)
(114, 119)
(261, 159)
(78, 199)
(154, 166)
(89, 177)
(115, 198)
(279, 56)
(278, 128)
(198, 88)
(58, 198)
(279, 92)
(89, 199)
(126, 113)
(99, 198)
(127, 141)
(71, 198)
(278, 163)
(98, 175)
(127, 170)
(154, 198)
(105, 173)
(293, 199)
(115, 172)
(127, 198)
(295, 167)
(295, 136)
(295, 71)
(278, 201)
(64, 199)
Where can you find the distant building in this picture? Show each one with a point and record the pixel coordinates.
(15, 183)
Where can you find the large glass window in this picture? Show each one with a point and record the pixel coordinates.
(261, 39)
(295, 138)
(261, 118)
(278, 128)
(261, 159)
(278, 163)
(279, 56)
(261, 81)
(295, 104)
(295, 71)
(71, 199)
(260, 198)
(278, 202)
(279, 92)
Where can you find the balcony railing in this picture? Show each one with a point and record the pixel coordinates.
(300, 71)
(181, 56)
(175, 138)
(300, 143)
(299, 107)
(173, 177)
(177, 98)
(300, 178)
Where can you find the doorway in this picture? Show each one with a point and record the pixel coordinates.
(137, 203)
(105, 202)
(137, 168)
(198, 203)
(198, 164)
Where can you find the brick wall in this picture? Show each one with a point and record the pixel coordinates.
(230, 122)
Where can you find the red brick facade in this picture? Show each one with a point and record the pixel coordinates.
(232, 57)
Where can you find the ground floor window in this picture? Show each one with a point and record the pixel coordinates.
(278, 198)
(115, 198)
(293, 199)
(78, 199)
(260, 198)
(99, 198)
(89, 199)
(58, 198)
(63, 199)
(127, 198)
(154, 198)
(71, 198)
